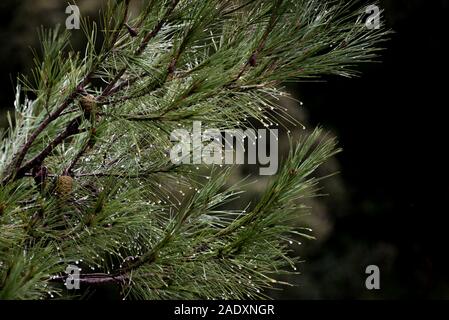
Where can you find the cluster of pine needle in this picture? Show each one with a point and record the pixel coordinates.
(85, 176)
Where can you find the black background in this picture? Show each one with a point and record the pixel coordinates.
(392, 125)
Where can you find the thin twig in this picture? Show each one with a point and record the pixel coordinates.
(94, 278)
(121, 24)
(110, 87)
(252, 61)
(78, 156)
(24, 150)
(113, 175)
(71, 129)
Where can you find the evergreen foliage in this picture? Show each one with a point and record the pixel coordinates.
(84, 168)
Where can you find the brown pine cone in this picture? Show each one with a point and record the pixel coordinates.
(88, 103)
(64, 185)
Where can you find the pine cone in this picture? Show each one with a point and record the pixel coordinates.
(88, 103)
(64, 185)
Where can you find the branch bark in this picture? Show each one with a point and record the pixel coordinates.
(71, 129)
(95, 278)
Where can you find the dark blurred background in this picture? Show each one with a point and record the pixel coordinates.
(388, 205)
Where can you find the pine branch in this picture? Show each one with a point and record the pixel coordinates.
(110, 88)
(252, 61)
(88, 144)
(105, 195)
(122, 24)
(93, 279)
(23, 151)
(19, 171)
(71, 130)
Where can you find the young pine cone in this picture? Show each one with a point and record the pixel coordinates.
(88, 104)
(64, 185)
